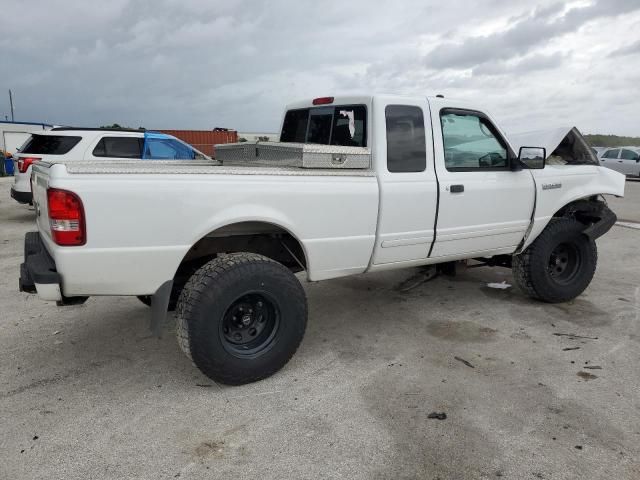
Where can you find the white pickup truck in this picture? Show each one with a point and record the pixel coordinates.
(434, 181)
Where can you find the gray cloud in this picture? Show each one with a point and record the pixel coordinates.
(633, 49)
(206, 63)
(532, 63)
(524, 34)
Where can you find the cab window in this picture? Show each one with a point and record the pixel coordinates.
(406, 146)
(471, 142)
(611, 153)
(344, 125)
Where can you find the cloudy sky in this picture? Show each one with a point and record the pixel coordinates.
(206, 63)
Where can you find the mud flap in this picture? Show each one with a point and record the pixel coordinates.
(160, 307)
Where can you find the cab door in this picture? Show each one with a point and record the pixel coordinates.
(485, 207)
(403, 156)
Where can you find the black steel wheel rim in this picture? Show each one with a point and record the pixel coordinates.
(564, 263)
(250, 324)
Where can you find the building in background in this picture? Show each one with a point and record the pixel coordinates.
(204, 140)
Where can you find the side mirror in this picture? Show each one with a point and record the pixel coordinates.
(532, 158)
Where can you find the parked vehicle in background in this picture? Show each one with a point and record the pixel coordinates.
(624, 160)
(14, 134)
(356, 184)
(71, 144)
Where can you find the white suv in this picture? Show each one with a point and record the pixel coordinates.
(77, 144)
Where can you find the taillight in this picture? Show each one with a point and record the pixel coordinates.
(25, 162)
(322, 100)
(66, 217)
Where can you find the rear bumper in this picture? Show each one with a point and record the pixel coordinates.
(38, 273)
(21, 197)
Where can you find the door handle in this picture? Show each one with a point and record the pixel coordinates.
(456, 188)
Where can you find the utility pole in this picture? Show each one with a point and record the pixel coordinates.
(11, 103)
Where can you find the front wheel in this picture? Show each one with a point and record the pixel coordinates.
(241, 317)
(559, 265)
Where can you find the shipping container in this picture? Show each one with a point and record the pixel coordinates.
(204, 140)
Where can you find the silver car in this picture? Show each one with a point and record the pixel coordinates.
(624, 160)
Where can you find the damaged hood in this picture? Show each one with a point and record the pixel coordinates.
(564, 142)
(548, 138)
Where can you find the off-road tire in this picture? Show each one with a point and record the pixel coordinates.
(203, 312)
(531, 269)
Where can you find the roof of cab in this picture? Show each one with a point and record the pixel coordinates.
(368, 98)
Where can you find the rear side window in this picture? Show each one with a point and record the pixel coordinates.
(611, 153)
(50, 144)
(119, 147)
(406, 147)
(629, 155)
(344, 125)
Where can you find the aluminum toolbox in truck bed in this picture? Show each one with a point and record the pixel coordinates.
(302, 155)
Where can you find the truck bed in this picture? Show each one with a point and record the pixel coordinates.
(185, 167)
(143, 216)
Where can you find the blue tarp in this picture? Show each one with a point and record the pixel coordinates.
(160, 146)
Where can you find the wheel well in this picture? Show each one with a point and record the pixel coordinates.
(585, 210)
(263, 238)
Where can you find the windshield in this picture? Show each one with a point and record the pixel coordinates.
(344, 125)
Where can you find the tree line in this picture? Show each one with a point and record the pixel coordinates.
(598, 140)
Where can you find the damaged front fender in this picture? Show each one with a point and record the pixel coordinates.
(606, 220)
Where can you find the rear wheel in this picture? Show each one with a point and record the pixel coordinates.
(559, 265)
(241, 317)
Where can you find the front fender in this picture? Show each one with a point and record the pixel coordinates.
(560, 185)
